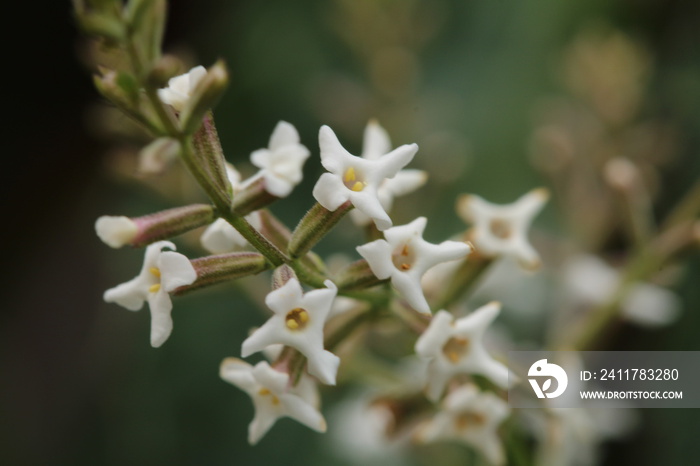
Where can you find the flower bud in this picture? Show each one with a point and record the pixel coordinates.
(223, 267)
(281, 276)
(119, 231)
(317, 222)
(204, 96)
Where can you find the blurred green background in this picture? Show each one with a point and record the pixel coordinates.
(79, 383)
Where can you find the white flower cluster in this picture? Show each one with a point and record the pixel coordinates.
(452, 347)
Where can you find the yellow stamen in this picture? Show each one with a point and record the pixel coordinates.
(349, 175)
(292, 324)
(275, 400)
(296, 318)
(358, 186)
(405, 266)
(154, 288)
(264, 391)
(404, 251)
(455, 349)
(155, 271)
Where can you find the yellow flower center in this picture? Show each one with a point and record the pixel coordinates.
(501, 228)
(264, 392)
(353, 181)
(403, 257)
(297, 319)
(155, 271)
(455, 348)
(468, 419)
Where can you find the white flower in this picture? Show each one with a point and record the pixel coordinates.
(470, 417)
(272, 396)
(281, 163)
(116, 231)
(405, 256)
(356, 179)
(180, 88)
(376, 143)
(456, 347)
(220, 236)
(502, 229)
(591, 281)
(298, 322)
(162, 272)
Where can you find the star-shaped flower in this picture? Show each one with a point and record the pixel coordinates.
(591, 281)
(502, 229)
(162, 272)
(180, 88)
(404, 256)
(220, 237)
(456, 347)
(272, 396)
(281, 163)
(356, 179)
(471, 417)
(376, 143)
(298, 322)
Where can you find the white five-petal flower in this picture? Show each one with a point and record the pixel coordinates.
(502, 229)
(357, 179)
(281, 163)
(273, 397)
(180, 88)
(471, 417)
(404, 256)
(220, 236)
(376, 143)
(591, 281)
(162, 272)
(456, 347)
(298, 322)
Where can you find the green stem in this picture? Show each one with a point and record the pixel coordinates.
(464, 278)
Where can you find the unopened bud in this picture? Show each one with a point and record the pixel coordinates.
(224, 267)
(281, 276)
(204, 96)
(156, 156)
(317, 222)
(120, 231)
(120, 88)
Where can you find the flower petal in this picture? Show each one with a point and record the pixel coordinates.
(323, 365)
(130, 295)
(303, 412)
(333, 154)
(330, 191)
(176, 270)
(284, 134)
(285, 298)
(116, 231)
(161, 321)
(375, 141)
(378, 255)
(435, 336)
